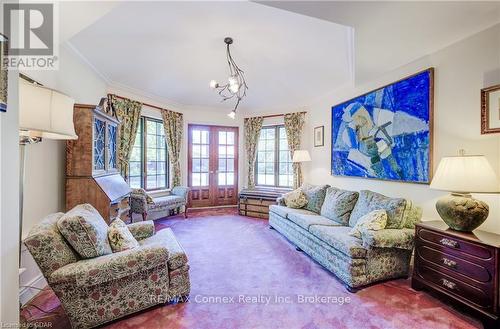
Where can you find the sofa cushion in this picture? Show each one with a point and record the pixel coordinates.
(375, 220)
(315, 196)
(338, 204)
(295, 199)
(338, 238)
(369, 201)
(165, 238)
(285, 211)
(166, 201)
(305, 220)
(119, 236)
(86, 231)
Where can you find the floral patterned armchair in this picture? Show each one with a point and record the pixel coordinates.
(142, 203)
(97, 290)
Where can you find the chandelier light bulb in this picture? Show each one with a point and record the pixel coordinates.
(234, 88)
(213, 84)
(232, 80)
(232, 115)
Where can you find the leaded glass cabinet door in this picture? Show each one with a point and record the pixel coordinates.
(112, 162)
(99, 147)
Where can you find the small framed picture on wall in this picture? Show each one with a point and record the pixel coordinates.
(490, 110)
(319, 136)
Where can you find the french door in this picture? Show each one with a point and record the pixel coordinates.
(212, 165)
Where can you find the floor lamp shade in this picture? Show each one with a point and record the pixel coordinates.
(301, 156)
(45, 113)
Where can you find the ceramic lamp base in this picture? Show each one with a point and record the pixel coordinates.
(461, 212)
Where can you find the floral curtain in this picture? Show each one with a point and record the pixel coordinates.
(294, 122)
(173, 124)
(252, 132)
(129, 114)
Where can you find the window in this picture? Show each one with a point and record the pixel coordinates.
(273, 165)
(148, 161)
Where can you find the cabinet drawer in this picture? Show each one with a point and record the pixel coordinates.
(455, 264)
(462, 290)
(455, 245)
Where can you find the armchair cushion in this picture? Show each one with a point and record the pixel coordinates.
(86, 231)
(142, 230)
(89, 272)
(389, 238)
(119, 236)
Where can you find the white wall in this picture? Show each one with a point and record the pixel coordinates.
(9, 203)
(45, 162)
(461, 70)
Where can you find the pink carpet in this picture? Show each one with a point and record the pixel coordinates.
(235, 257)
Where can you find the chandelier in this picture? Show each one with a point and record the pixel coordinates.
(236, 86)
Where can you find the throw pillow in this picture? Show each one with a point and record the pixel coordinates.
(85, 230)
(120, 238)
(369, 201)
(295, 199)
(315, 196)
(375, 220)
(338, 205)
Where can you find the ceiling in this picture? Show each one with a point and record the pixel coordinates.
(389, 34)
(292, 52)
(173, 49)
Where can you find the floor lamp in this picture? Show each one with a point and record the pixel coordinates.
(43, 113)
(298, 157)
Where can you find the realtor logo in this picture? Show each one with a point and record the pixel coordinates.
(32, 34)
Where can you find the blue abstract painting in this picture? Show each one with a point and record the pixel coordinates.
(387, 133)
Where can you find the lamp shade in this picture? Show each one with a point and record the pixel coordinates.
(45, 113)
(301, 156)
(465, 174)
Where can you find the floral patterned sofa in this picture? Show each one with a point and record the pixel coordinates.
(378, 255)
(143, 203)
(97, 290)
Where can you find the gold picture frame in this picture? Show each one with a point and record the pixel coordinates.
(3, 72)
(490, 110)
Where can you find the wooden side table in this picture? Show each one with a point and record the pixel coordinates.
(462, 268)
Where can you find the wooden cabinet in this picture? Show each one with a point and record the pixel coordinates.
(256, 202)
(92, 174)
(461, 267)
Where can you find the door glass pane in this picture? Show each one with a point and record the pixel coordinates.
(230, 165)
(222, 151)
(204, 137)
(222, 179)
(204, 151)
(196, 179)
(222, 137)
(222, 164)
(196, 165)
(196, 151)
(230, 151)
(99, 144)
(230, 138)
(196, 134)
(204, 165)
(204, 179)
(230, 179)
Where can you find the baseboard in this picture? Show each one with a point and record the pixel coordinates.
(27, 293)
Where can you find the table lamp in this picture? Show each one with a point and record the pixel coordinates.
(462, 175)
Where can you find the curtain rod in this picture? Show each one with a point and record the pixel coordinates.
(149, 105)
(160, 108)
(277, 115)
